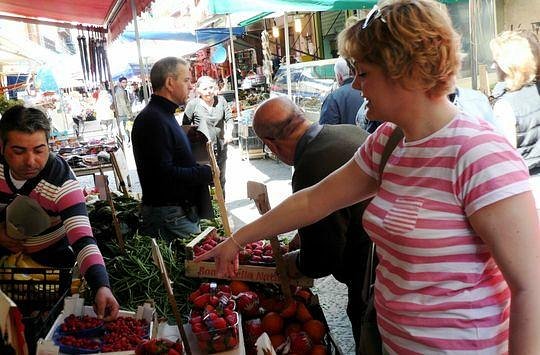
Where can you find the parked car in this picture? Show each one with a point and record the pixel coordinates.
(310, 83)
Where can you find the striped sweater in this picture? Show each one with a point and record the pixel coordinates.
(58, 192)
(438, 289)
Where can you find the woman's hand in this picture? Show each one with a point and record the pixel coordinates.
(225, 255)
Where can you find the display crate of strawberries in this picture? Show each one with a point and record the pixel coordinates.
(257, 262)
(84, 333)
(213, 319)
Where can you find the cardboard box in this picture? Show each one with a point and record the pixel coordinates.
(253, 273)
(74, 305)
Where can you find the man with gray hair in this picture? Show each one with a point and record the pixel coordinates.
(174, 186)
(342, 104)
(338, 244)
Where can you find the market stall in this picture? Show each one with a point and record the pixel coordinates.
(39, 291)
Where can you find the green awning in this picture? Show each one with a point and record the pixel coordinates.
(234, 6)
(254, 19)
(266, 7)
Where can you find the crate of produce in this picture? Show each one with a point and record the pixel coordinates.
(298, 324)
(37, 291)
(77, 330)
(256, 261)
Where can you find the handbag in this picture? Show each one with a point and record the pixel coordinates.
(370, 342)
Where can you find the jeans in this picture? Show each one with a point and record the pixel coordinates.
(221, 160)
(168, 222)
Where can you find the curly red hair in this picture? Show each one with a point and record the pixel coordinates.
(413, 41)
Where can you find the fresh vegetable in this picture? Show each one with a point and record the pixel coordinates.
(135, 278)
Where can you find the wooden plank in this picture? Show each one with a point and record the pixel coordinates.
(115, 161)
(252, 273)
(116, 223)
(259, 194)
(218, 189)
(158, 261)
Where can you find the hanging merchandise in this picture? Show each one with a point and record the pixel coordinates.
(81, 54)
(91, 56)
(101, 64)
(98, 59)
(219, 54)
(267, 57)
(85, 56)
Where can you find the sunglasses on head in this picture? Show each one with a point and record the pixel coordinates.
(374, 14)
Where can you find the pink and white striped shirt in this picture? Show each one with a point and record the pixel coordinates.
(438, 290)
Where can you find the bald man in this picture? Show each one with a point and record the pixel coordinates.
(342, 104)
(337, 244)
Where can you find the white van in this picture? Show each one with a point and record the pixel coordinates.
(310, 83)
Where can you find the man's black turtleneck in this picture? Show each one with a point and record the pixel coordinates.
(168, 172)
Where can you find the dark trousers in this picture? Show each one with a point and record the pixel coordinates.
(221, 160)
(355, 308)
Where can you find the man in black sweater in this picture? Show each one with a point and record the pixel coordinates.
(337, 244)
(174, 186)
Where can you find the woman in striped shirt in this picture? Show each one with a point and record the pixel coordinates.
(453, 219)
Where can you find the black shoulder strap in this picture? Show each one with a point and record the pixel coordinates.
(369, 276)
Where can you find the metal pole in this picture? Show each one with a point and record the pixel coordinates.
(287, 53)
(111, 86)
(473, 37)
(138, 40)
(235, 81)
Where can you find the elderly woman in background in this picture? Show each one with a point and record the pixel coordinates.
(452, 213)
(517, 108)
(212, 114)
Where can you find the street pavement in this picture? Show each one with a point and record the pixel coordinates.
(277, 178)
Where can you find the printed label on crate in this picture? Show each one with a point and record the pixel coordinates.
(262, 274)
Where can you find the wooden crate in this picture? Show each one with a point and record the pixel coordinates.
(253, 273)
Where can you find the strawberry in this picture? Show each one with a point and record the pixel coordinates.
(197, 328)
(201, 301)
(231, 319)
(214, 300)
(194, 295)
(178, 346)
(205, 287)
(219, 323)
(172, 352)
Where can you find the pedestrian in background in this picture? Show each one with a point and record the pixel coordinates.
(517, 107)
(124, 106)
(342, 104)
(104, 110)
(211, 114)
(452, 214)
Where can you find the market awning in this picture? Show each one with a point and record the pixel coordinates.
(232, 6)
(209, 36)
(113, 15)
(266, 6)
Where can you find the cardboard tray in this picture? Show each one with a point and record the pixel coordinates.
(253, 273)
(47, 346)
